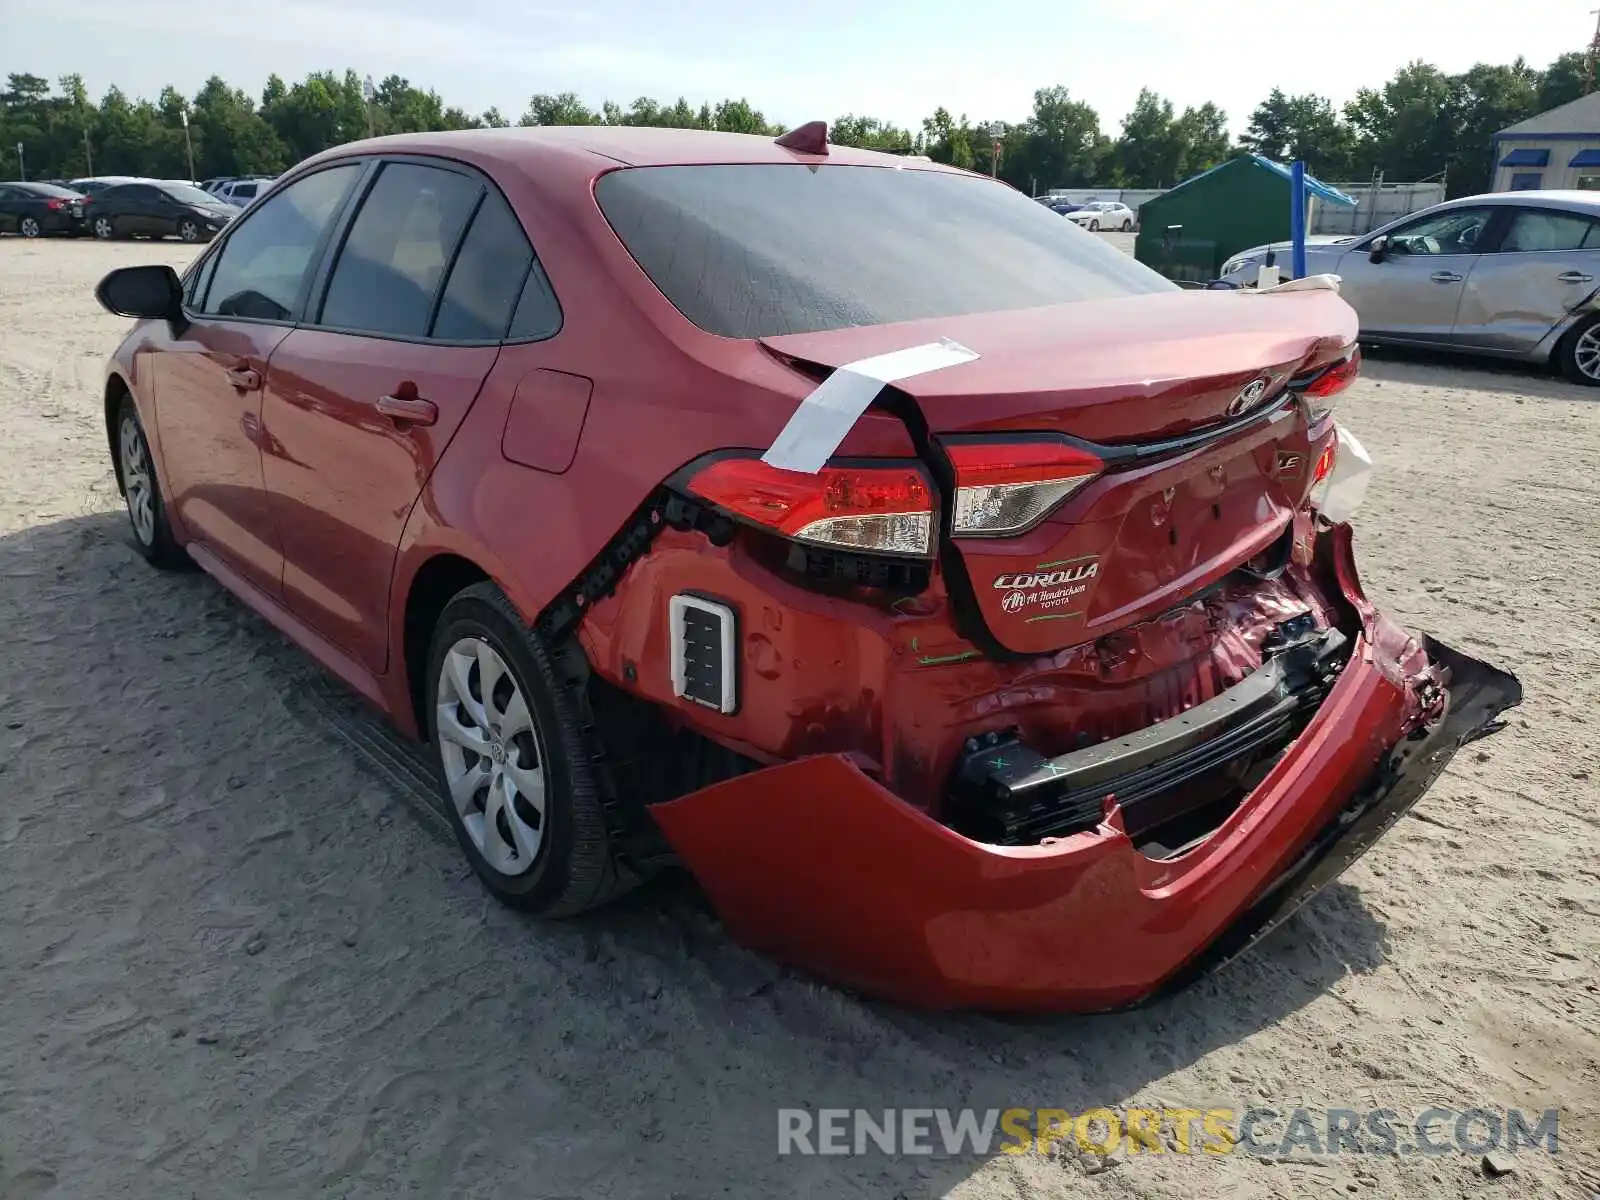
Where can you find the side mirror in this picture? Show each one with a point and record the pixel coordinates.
(148, 292)
(1378, 248)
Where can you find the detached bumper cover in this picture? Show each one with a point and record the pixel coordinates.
(816, 863)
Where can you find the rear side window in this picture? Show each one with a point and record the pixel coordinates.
(245, 190)
(487, 277)
(266, 258)
(1536, 229)
(398, 249)
(754, 250)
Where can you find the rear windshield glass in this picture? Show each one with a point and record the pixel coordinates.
(755, 250)
(50, 189)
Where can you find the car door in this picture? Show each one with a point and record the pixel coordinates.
(1544, 264)
(10, 210)
(1412, 293)
(363, 399)
(134, 209)
(245, 297)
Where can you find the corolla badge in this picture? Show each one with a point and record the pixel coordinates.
(1251, 395)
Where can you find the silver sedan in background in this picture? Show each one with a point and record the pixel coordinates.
(1513, 274)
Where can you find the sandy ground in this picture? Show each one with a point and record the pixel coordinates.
(232, 962)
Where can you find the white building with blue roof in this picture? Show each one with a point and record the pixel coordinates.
(1557, 150)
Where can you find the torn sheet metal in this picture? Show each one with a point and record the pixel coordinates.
(826, 416)
(1346, 484)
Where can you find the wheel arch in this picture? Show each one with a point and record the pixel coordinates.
(116, 388)
(438, 579)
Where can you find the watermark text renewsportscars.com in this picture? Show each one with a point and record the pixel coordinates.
(1259, 1130)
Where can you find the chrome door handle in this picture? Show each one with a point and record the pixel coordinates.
(410, 411)
(1574, 277)
(1445, 277)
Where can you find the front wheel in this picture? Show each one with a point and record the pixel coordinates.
(104, 229)
(1094, 226)
(1578, 356)
(189, 231)
(520, 789)
(147, 511)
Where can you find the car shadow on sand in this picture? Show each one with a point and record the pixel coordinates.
(74, 591)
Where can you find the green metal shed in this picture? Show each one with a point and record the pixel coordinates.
(1187, 233)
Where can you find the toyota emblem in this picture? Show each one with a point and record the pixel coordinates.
(1248, 398)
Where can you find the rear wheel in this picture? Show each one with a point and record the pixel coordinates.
(104, 229)
(1127, 225)
(1579, 354)
(30, 227)
(147, 511)
(519, 784)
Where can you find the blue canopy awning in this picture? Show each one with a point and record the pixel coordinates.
(1526, 157)
(1585, 158)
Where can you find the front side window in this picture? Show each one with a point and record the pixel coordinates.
(754, 250)
(269, 253)
(1534, 229)
(1454, 232)
(398, 247)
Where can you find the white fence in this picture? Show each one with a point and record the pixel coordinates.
(1375, 205)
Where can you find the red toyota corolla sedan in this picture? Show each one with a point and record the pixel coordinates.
(960, 601)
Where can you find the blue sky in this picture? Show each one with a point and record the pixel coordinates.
(892, 58)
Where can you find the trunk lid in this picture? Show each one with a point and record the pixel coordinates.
(1192, 490)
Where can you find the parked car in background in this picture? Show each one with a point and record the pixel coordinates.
(158, 209)
(1064, 207)
(928, 696)
(242, 192)
(211, 185)
(1512, 274)
(94, 184)
(1103, 214)
(36, 209)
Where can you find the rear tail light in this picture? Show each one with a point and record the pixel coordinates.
(879, 508)
(1005, 488)
(1320, 389)
(53, 205)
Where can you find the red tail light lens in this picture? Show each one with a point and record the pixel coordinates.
(1005, 488)
(53, 205)
(876, 509)
(1320, 391)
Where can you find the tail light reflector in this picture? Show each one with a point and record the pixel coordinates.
(1320, 470)
(885, 509)
(1005, 488)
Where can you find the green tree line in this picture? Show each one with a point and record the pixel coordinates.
(1421, 124)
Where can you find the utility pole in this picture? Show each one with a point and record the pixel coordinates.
(1592, 53)
(188, 143)
(22, 171)
(996, 133)
(88, 154)
(369, 94)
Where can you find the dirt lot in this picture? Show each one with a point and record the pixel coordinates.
(233, 962)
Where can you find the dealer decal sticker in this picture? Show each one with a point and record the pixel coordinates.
(1052, 591)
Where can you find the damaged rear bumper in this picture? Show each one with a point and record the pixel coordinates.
(819, 865)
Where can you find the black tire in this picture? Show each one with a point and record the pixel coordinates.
(29, 227)
(189, 230)
(154, 542)
(1094, 226)
(1567, 354)
(574, 868)
(103, 229)
(1127, 225)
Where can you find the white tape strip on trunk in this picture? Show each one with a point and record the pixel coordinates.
(1347, 482)
(826, 416)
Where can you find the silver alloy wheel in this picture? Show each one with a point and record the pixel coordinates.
(30, 227)
(1586, 352)
(492, 756)
(189, 231)
(102, 228)
(137, 483)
